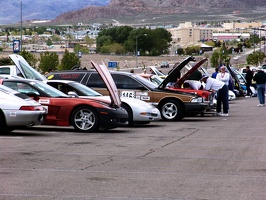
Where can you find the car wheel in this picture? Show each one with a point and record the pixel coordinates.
(171, 110)
(85, 119)
(130, 114)
(3, 127)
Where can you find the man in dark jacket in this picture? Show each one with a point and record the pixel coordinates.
(260, 78)
(249, 76)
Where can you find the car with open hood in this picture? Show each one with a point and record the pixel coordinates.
(173, 105)
(18, 110)
(84, 114)
(177, 80)
(139, 112)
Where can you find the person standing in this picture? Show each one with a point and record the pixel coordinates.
(214, 74)
(222, 93)
(249, 77)
(223, 75)
(260, 79)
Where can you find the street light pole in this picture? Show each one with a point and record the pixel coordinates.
(20, 25)
(136, 54)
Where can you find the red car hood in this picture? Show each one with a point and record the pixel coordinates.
(109, 81)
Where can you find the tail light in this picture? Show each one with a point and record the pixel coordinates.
(31, 108)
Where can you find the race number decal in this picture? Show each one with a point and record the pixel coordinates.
(130, 94)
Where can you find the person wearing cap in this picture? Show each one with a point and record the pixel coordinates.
(260, 79)
(221, 88)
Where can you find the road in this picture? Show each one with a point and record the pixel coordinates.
(207, 157)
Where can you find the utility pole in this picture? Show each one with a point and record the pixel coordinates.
(20, 25)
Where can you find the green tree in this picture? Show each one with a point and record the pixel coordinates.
(155, 42)
(220, 57)
(5, 61)
(256, 58)
(192, 50)
(56, 38)
(69, 60)
(80, 48)
(49, 42)
(103, 41)
(29, 57)
(48, 60)
(89, 41)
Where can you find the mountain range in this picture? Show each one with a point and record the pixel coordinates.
(135, 12)
(41, 9)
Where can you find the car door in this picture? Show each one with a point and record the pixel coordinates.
(127, 86)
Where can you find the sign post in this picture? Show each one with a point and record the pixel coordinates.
(16, 46)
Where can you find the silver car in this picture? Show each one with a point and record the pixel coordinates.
(18, 110)
(140, 112)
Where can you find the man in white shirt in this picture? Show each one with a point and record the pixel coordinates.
(222, 93)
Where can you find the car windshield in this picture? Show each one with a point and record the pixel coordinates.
(49, 90)
(84, 89)
(145, 81)
(156, 80)
(157, 72)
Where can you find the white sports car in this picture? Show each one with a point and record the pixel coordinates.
(140, 112)
(18, 110)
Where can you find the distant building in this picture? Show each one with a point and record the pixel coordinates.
(187, 34)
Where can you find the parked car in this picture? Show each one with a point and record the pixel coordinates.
(155, 71)
(173, 105)
(18, 110)
(164, 65)
(85, 115)
(140, 112)
(239, 82)
(178, 76)
(21, 68)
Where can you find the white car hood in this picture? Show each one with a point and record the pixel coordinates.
(23, 66)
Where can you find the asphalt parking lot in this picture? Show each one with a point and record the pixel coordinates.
(214, 158)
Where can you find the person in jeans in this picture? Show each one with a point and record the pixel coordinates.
(260, 79)
(222, 93)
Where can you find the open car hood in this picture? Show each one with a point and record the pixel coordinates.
(175, 72)
(25, 70)
(189, 72)
(109, 81)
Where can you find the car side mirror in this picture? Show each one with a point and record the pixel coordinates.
(72, 94)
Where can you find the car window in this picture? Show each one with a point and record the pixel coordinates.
(21, 87)
(74, 76)
(125, 82)
(5, 70)
(95, 81)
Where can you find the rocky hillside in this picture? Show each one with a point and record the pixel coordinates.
(41, 9)
(158, 11)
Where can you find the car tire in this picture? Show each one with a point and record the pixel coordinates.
(130, 114)
(3, 127)
(85, 119)
(171, 110)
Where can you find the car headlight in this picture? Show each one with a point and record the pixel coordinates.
(197, 100)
